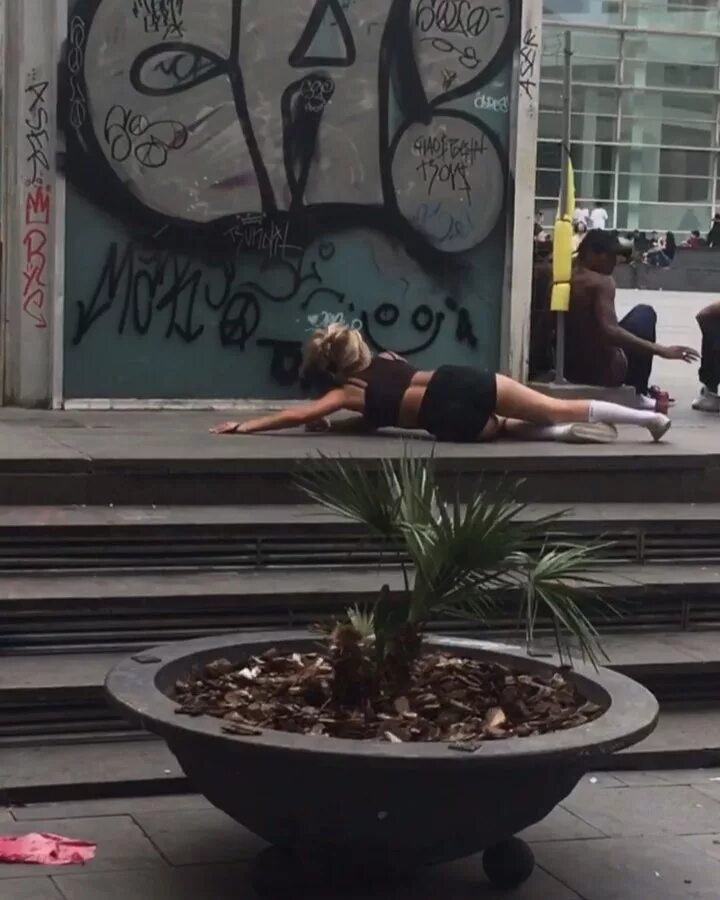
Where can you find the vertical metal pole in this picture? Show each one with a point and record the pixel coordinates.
(564, 190)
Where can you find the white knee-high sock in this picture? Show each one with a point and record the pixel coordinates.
(614, 414)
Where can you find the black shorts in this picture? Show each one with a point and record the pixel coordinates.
(458, 403)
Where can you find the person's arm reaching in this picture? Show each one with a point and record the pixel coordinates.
(294, 417)
(618, 336)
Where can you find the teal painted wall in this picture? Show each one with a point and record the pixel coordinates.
(233, 172)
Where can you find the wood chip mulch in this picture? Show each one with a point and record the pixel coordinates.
(462, 702)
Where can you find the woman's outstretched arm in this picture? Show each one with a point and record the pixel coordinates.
(289, 418)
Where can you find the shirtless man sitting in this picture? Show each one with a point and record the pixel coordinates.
(601, 350)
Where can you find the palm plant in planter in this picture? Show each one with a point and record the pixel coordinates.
(325, 751)
(458, 560)
(377, 678)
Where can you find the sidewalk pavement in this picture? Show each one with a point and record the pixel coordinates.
(627, 836)
(67, 441)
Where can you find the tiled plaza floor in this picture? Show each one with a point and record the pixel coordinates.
(630, 836)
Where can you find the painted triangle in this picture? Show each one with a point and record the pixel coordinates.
(327, 39)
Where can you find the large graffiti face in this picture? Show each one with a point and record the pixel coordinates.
(238, 166)
(207, 111)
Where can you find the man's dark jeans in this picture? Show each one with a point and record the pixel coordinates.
(642, 322)
(710, 360)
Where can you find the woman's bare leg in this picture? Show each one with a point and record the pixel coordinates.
(516, 401)
(498, 427)
(493, 429)
(519, 430)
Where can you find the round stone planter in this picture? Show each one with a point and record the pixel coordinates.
(385, 806)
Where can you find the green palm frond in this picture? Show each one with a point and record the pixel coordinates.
(465, 557)
(345, 487)
(553, 585)
(362, 620)
(413, 480)
(460, 554)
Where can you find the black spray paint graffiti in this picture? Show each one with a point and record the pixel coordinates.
(444, 160)
(37, 136)
(161, 294)
(149, 142)
(38, 200)
(218, 109)
(77, 101)
(459, 22)
(222, 128)
(529, 50)
(160, 16)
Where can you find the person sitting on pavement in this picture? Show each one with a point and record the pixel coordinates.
(709, 321)
(599, 349)
(713, 237)
(694, 241)
(664, 254)
(641, 243)
(581, 215)
(452, 403)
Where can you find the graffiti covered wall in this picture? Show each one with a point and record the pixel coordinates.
(238, 166)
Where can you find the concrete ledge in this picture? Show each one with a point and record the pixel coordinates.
(141, 459)
(691, 271)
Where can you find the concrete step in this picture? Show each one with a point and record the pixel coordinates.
(146, 468)
(68, 611)
(684, 739)
(89, 770)
(60, 697)
(57, 698)
(75, 538)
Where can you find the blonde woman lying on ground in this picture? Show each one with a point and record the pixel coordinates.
(452, 403)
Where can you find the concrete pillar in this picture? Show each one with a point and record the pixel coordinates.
(515, 329)
(32, 209)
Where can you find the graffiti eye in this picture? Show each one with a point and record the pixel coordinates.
(174, 67)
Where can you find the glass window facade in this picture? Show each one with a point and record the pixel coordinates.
(645, 110)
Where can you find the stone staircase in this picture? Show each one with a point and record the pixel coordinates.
(84, 585)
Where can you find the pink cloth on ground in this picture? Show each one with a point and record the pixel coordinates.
(45, 850)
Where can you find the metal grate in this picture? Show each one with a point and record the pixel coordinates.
(165, 547)
(37, 552)
(98, 628)
(190, 547)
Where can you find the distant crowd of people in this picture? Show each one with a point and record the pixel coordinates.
(653, 249)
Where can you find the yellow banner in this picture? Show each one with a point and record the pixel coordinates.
(563, 248)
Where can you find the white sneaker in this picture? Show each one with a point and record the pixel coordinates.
(659, 427)
(707, 402)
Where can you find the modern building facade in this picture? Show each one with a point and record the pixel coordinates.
(645, 111)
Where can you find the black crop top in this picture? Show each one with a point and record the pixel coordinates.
(385, 382)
